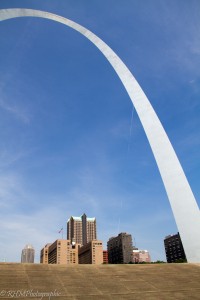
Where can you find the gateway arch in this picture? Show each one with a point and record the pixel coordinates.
(184, 206)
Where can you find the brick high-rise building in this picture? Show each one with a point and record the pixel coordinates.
(120, 249)
(174, 248)
(81, 230)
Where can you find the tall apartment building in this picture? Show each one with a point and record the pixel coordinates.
(120, 249)
(91, 253)
(60, 252)
(81, 230)
(28, 254)
(174, 248)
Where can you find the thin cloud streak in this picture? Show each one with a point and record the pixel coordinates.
(15, 111)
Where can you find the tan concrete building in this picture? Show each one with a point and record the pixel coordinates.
(60, 252)
(91, 253)
(81, 230)
(44, 254)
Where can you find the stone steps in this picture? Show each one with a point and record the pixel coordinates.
(88, 282)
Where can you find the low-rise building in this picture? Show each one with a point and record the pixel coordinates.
(105, 256)
(140, 256)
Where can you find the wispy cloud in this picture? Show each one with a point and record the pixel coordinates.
(10, 189)
(8, 157)
(15, 110)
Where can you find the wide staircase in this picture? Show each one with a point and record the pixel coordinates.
(88, 282)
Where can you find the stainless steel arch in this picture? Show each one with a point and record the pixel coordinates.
(183, 203)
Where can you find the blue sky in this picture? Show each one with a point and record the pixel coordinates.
(70, 139)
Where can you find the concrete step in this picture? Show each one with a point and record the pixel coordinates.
(88, 282)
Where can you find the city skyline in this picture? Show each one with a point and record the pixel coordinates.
(105, 167)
